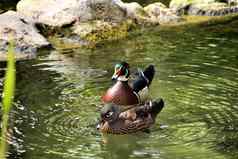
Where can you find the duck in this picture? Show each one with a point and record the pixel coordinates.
(135, 119)
(123, 94)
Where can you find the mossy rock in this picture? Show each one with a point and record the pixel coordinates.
(99, 31)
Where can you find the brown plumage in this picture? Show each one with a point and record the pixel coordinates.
(121, 94)
(130, 121)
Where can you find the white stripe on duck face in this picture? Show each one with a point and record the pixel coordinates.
(123, 78)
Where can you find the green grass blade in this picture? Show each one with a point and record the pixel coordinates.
(9, 85)
(8, 94)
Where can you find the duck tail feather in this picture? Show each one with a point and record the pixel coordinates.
(149, 73)
(157, 106)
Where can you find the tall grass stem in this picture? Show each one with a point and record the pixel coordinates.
(7, 98)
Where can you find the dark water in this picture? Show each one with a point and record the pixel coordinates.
(6, 5)
(58, 97)
(146, 2)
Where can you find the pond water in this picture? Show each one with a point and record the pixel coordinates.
(58, 97)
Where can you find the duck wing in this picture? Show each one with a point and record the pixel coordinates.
(144, 117)
(144, 79)
(151, 108)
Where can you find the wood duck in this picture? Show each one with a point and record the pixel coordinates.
(121, 93)
(136, 119)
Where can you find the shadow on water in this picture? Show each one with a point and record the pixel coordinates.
(58, 97)
(146, 2)
(6, 5)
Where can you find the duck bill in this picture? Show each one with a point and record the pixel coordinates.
(115, 76)
(117, 73)
(99, 123)
(98, 126)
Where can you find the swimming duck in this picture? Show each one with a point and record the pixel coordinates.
(139, 118)
(121, 93)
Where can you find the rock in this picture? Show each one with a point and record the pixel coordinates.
(22, 31)
(62, 12)
(159, 12)
(81, 21)
(135, 12)
(181, 6)
(206, 9)
(212, 9)
(98, 31)
(232, 2)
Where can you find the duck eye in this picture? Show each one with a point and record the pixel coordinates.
(108, 114)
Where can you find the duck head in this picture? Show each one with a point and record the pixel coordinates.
(121, 71)
(109, 113)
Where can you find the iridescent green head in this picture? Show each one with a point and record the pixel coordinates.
(121, 70)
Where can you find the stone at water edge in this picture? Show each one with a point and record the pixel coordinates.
(181, 6)
(24, 33)
(232, 2)
(136, 12)
(63, 16)
(205, 7)
(62, 12)
(98, 31)
(159, 12)
(212, 9)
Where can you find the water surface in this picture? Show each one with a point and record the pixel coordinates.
(58, 97)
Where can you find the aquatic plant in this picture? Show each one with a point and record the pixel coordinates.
(7, 98)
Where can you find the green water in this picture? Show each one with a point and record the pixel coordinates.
(58, 97)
